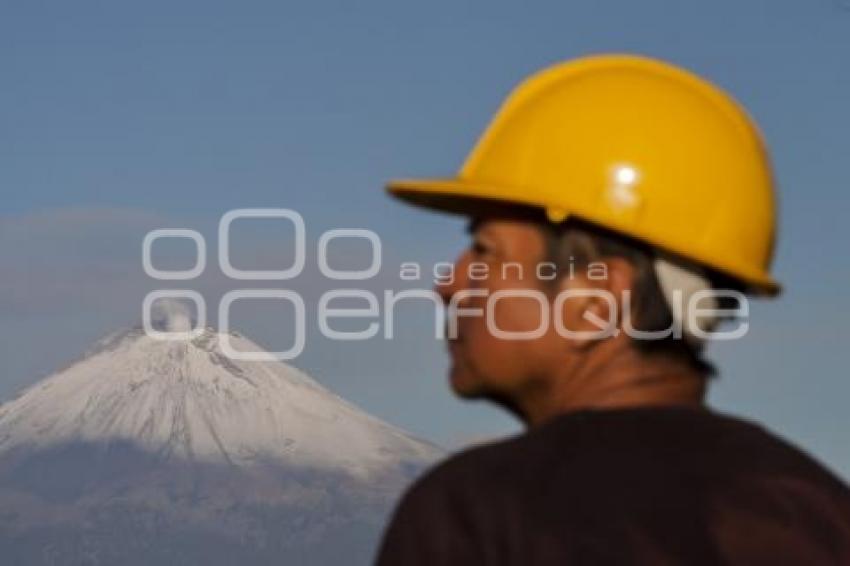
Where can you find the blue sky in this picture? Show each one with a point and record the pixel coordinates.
(121, 117)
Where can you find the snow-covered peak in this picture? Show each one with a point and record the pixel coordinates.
(187, 400)
(171, 315)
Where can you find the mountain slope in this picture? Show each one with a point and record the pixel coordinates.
(150, 451)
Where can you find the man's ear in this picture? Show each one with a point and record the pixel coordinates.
(621, 276)
(595, 306)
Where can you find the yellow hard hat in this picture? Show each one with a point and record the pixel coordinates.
(632, 144)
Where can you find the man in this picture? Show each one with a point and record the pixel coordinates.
(620, 209)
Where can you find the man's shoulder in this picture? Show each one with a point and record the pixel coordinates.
(473, 468)
(585, 448)
(499, 467)
(574, 485)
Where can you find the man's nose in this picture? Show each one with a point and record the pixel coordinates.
(445, 289)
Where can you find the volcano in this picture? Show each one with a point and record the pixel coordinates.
(147, 451)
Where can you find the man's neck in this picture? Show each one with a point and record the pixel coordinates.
(614, 375)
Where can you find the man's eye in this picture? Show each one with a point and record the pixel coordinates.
(479, 249)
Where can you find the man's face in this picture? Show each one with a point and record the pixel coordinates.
(483, 364)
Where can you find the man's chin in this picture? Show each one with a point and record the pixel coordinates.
(466, 385)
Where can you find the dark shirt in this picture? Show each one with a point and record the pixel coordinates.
(630, 486)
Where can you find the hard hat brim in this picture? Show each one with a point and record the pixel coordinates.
(457, 196)
(462, 197)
